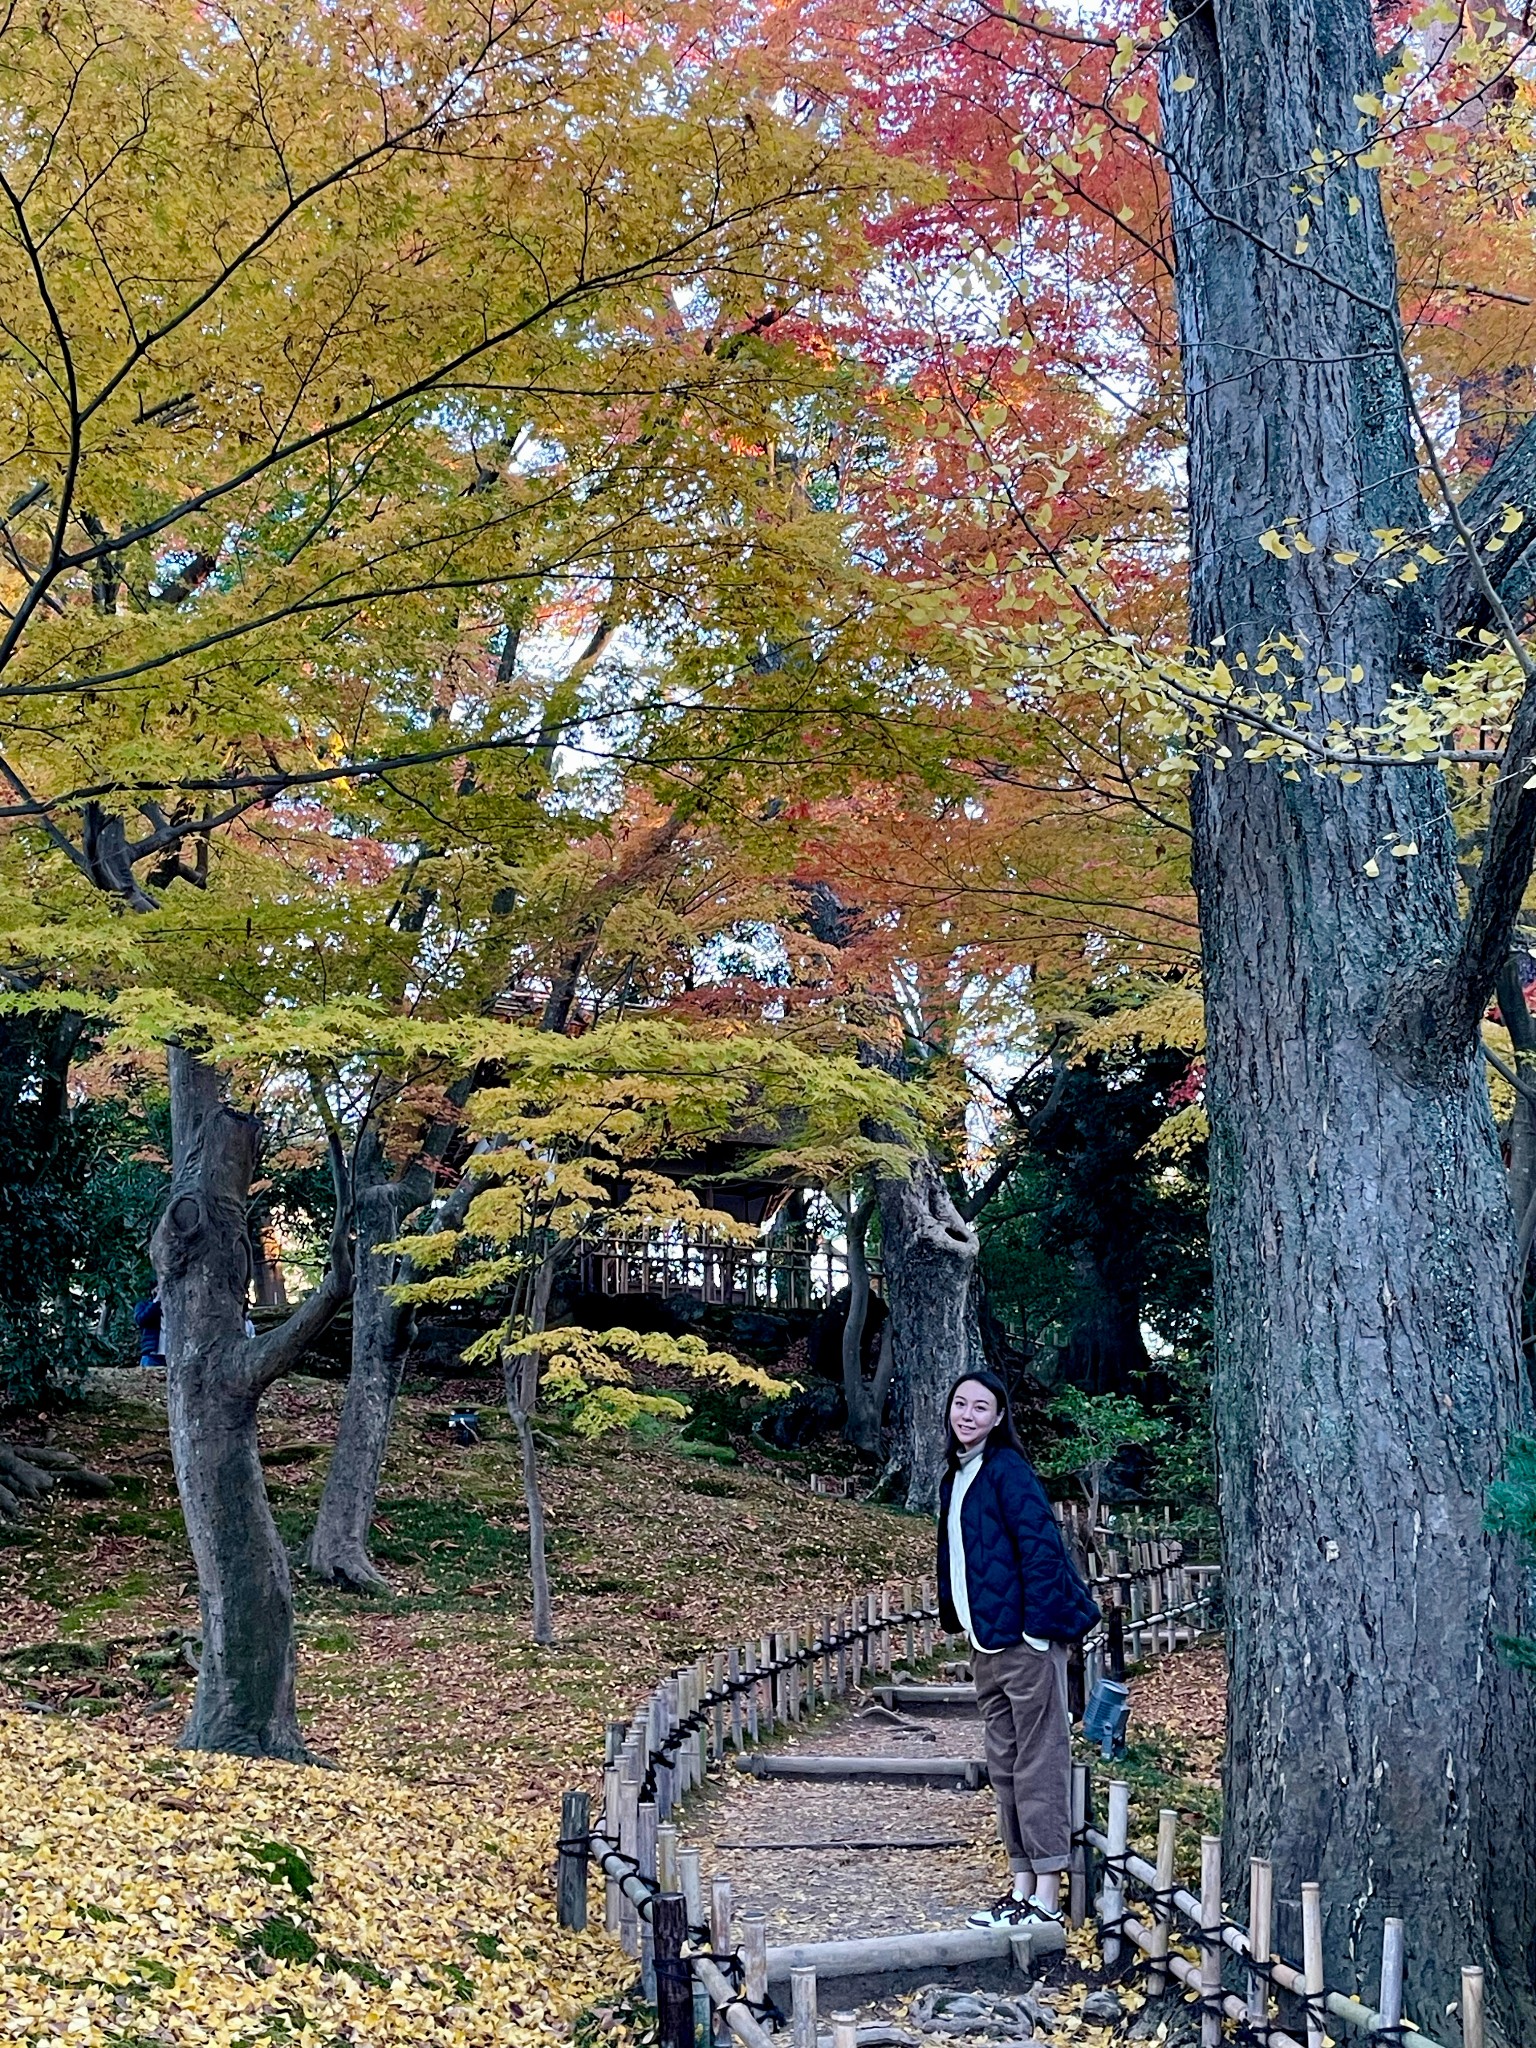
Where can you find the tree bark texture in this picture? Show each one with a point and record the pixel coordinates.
(244, 1702)
(1367, 1356)
(863, 1396)
(928, 1261)
(338, 1547)
(1520, 1141)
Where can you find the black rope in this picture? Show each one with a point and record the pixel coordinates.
(1215, 1939)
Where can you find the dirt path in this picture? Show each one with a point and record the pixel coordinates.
(830, 1894)
(821, 1861)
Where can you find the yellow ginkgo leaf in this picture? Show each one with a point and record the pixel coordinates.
(1183, 83)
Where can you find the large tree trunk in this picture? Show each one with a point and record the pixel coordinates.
(1367, 1359)
(338, 1547)
(1105, 1352)
(928, 1261)
(245, 1690)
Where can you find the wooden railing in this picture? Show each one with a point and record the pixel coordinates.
(767, 1276)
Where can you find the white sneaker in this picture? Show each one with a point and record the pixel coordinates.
(1009, 1911)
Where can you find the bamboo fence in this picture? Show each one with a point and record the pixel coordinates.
(704, 1963)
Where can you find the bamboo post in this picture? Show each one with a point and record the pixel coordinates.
(1119, 1834)
(611, 1804)
(754, 1956)
(691, 1880)
(645, 1856)
(856, 1647)
(693, 1692)
(720, 1910)
(672, 1777)
(1312, 1961)
(678, 1710)
(656, 1734)
(674, 1986)
(1261, 1925)
(845, 2030)
(930, 1600)
(1389, 2001)
(793, 1675)
(703, 1736)
(1162, 1922)
(1471, 2007)
(1077, 1867)
(666, 1858)
(571, 1883)
(765, 1713)
(828, 1665)
(733, 1679)
(802, 1999)
(717, 1687)
(843, 1652)
(910, 1641)
(1210, 1947)
(886, 1642)
(629, 1821)
(749, 1672)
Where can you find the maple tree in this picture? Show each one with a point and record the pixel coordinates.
(348, 350)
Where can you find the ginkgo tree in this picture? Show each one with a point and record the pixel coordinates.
(1290, 243)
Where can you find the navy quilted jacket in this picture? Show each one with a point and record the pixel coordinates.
(1018, 1577)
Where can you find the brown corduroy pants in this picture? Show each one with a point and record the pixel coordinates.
(1022, 1694)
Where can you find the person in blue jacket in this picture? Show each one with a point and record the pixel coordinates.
(1007, 1584)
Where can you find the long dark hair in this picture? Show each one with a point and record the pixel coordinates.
(1003, 1431)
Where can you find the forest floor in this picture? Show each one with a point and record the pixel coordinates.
(446, 1720)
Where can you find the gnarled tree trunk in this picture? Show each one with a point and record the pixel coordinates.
(928, 1262)
(1367, 1359)
(216, 1376)
(337, 1550)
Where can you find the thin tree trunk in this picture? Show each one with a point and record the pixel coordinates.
(338, 1547)
(928, 1259)
(521, 1372)
(1367, 1361)
(245, 1701)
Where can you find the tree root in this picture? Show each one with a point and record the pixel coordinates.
(350, 1569)
(28, 1472)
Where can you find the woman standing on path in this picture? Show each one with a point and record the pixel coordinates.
(1007, 1584)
